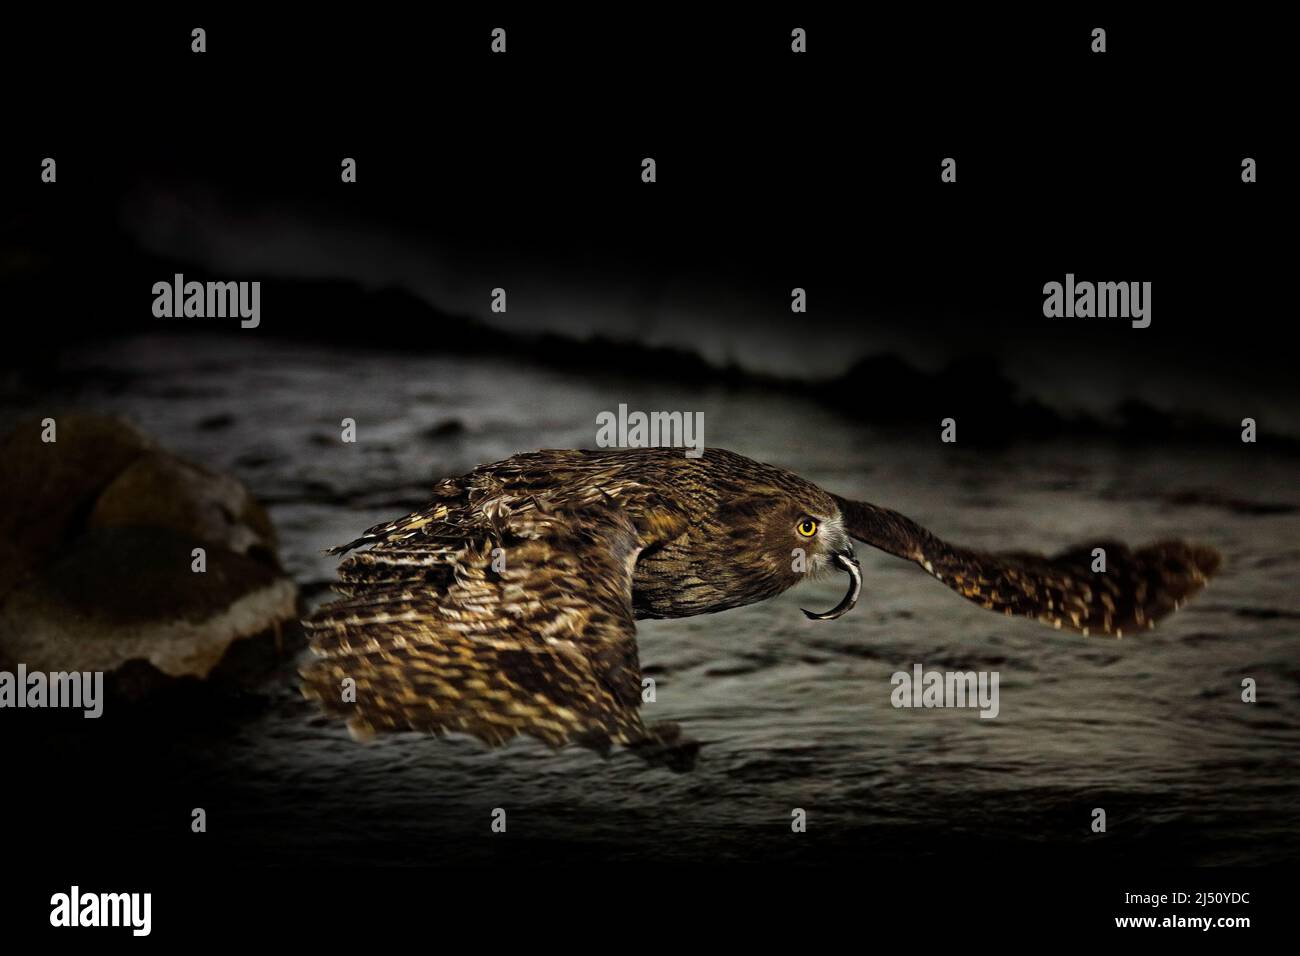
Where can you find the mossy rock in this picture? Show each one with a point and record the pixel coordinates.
(47, 489)
(97, 534)
(123, 594)
(159, 490)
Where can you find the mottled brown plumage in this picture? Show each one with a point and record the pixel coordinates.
(507, 606)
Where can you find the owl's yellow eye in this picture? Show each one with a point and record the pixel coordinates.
(807, 527)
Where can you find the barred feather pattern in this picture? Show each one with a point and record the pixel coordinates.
(437, 639)
(1137, 588)
(439, 636)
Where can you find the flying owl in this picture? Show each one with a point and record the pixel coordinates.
(508, 605)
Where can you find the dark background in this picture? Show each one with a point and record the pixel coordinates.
(774, 170)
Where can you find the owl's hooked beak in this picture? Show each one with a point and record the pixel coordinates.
(849, 563)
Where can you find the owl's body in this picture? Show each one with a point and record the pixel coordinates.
(697, 518)
(507, 605)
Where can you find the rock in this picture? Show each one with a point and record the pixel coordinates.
(96, 572)
(125, 594)
(215, 423)
(45, 489)
(159, 490)
(447, 428)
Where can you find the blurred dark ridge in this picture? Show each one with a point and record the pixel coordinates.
(884, 390)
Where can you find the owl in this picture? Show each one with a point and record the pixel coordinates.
(508, 605)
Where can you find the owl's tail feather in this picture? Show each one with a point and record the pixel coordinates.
(1102, 586)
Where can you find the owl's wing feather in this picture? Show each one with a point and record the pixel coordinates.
(523, 627)
(1136, 589)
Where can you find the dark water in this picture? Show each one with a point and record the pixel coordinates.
(794, 713)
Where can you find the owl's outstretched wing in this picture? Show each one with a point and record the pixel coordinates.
(524, 627)
(1136, 589)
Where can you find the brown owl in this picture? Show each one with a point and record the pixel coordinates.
(508, 604)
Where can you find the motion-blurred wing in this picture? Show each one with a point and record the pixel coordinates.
(523, 629)
(1137, 588)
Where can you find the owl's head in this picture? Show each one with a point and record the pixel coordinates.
(790, 535)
